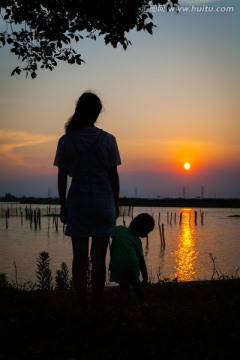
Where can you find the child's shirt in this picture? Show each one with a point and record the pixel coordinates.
(126, 248)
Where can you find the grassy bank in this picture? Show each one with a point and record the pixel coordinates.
(197, 320)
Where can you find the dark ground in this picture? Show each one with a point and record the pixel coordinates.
(194, 321)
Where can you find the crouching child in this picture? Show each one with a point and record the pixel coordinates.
(127, 259)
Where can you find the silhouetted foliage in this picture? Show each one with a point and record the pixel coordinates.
(44, 273)
(4, 283)
(42, 32)
(9, 197)
(62, 278)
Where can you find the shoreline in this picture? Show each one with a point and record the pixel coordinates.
(143, 202)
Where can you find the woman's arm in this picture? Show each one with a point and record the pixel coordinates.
(62, 191)
(114, 182)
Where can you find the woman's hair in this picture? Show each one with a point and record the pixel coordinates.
(86, 112)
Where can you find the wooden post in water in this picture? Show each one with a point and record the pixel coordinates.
(123, 215)
(39, 218)
(195, 217)
(21, 213)
(160, 233)
(48, 223)
(35, 219)
(6, 220)
(160, 229)
(180, 220)
(55, 221)
(163, 236)
(31, 217)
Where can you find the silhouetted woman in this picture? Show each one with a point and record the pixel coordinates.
(90, 157)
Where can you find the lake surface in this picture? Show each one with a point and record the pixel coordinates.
(189, 241)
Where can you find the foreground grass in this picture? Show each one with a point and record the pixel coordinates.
(187, 321)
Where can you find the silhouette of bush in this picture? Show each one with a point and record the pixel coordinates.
(44, 273)
(62, 279)
(4, 283)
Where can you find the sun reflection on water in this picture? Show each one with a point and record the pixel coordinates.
(186, 254)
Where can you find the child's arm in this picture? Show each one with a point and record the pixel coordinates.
(143, 269)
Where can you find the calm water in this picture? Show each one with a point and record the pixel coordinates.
(186, 254)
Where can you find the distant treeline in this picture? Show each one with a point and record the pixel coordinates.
(181, 202)
(126, 201)
(29, 199)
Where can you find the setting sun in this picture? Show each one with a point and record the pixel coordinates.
(187, 166)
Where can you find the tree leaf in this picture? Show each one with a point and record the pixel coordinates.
(37, 32)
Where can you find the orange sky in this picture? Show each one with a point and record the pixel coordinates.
(170, 98)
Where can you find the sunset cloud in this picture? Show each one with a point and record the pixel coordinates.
(20, 148)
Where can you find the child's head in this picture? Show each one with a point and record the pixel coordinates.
(142, 224)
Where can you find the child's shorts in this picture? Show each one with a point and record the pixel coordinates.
(132, 277)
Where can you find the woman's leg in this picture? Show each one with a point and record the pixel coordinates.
(79, 266)
(98, 256)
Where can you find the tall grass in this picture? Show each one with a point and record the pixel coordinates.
(63, 281)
